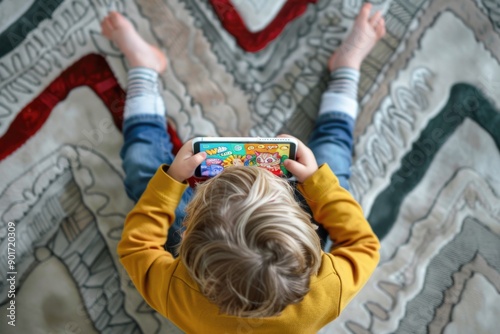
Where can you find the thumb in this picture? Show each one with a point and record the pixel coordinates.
(195, 160)
(296, 168)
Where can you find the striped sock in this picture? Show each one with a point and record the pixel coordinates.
(143, 97)
(342, 91)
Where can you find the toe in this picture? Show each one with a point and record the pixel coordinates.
(102, 23)
(365, 11)
(115, 18)
(380, 28)
(331, 61)
(106, 27)
(375, 19)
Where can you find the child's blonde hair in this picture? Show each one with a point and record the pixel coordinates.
(248, 244)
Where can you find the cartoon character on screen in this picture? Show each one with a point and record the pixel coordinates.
(250, 160)
(234, 160)
(269, 161)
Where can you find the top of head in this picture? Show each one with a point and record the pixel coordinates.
(248, 244)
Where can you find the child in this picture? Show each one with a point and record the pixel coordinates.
(250, 259)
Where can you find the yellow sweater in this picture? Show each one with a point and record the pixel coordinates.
(166, 285)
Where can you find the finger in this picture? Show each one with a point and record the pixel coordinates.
(300, 147)
(186, 150)
(303, 152)
(365, 11)
(284, 135)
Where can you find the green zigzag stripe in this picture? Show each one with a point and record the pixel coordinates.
(40, 10)
(465, 101)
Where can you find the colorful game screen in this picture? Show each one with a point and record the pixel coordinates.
(265, 155)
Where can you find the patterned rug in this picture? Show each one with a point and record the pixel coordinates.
(427, 151)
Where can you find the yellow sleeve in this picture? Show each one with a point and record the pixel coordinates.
(355, 252)
(141, 250)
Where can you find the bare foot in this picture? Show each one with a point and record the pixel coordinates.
(138, 52)
(365, 33)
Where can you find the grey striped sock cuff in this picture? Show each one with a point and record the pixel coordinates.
(344, 80)
(142, 81)
(143, 97)
(341, 94)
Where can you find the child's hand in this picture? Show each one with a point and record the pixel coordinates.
(304, 164)
(185, 162)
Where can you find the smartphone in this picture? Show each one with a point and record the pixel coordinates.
(224, 152)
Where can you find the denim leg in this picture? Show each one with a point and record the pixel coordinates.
(147, 145)
(331, 142)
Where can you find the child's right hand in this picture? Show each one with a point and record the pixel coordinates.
(185, 162)
(304, 164)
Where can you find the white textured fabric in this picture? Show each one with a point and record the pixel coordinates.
(11, 10)
(257, 14)
(341, 94)
(338, 102)
(67, 196)
(143, 97)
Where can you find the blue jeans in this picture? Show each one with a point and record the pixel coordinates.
(147, 145)
(331, 142)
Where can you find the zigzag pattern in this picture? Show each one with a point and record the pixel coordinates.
(427, 147)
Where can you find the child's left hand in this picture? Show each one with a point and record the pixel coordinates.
(185, 162)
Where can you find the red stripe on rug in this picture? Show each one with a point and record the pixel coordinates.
(92, 71)
(253, 42)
